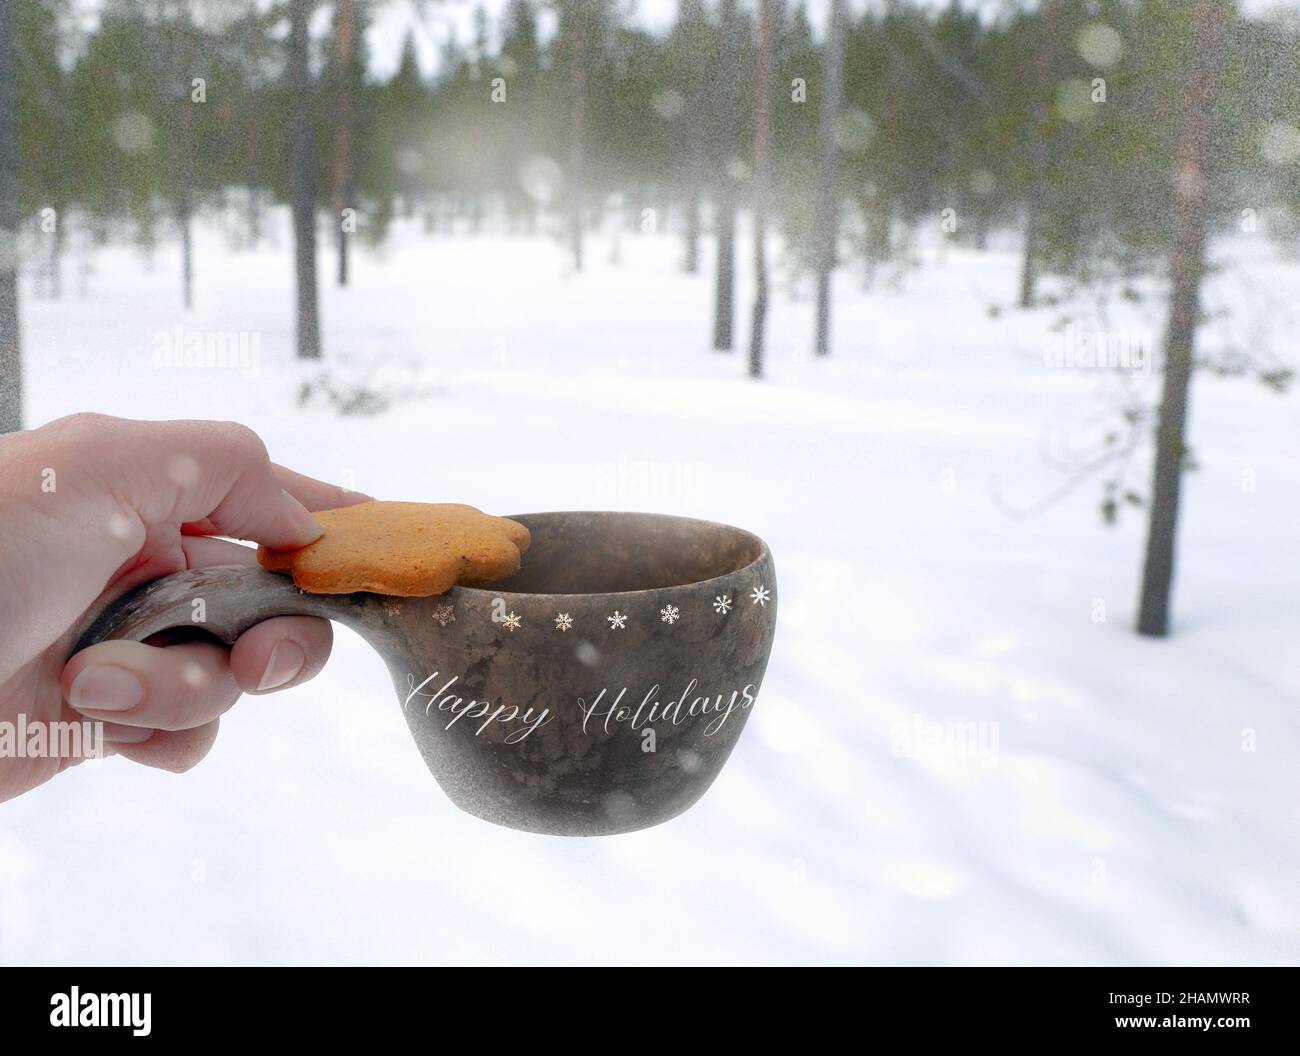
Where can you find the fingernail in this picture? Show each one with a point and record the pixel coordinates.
(116, 733)
(306, 524)
(283, 666)
(103, 687)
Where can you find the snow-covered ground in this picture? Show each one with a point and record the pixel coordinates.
(1123, 801)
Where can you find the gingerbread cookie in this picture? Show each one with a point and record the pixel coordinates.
(409, 549)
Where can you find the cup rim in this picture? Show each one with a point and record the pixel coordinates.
(490, 590)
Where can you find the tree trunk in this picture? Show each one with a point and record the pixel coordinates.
(1038, 148)
(762, 135)
(879, 206)
(1186, 267)
(11, 367)
(880, 238)
(343, 132)
(176, 65)
(695, 147)
(56, 254)
(254, 216)
(692, 261)
(304, 182)
(58, 239)
(579, 158)
(728, 156)
(185, 202)
(827, 229)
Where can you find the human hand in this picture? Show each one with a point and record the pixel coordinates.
(92, 506)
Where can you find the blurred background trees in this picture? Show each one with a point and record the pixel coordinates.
(1053, 123)
(1056, 128)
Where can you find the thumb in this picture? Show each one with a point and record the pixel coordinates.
(115, 485)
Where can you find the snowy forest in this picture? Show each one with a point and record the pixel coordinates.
(1064, 123)
(1059, 121)
(981, 314)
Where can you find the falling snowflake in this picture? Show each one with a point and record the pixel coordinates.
(669, 613)
(563, 621)
(722, 604)
(511, 622)
(761, 595)
(618, 621)
(444, 615)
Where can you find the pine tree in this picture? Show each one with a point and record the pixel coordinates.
(827, 158)
(347, 75)
(761, 180)
(686, 52)
(728, 94)
(11, 368)
(1202, 80)
(577, 37)
(521, 64)
(1049, 18)
(303, 180)
(43, 149)
(403, 169)
(176, 97)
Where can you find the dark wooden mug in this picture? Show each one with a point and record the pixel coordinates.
(599, 690)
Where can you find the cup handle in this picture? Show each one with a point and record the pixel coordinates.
(223, 600)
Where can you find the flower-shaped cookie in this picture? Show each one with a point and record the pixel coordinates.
(407, 549)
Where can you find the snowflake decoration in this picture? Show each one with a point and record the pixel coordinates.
(563, 621)
(761, 595)
(393, 607)
(511, 622)
(444, 615)
(722, 604)
(670, 613)
(618, 621)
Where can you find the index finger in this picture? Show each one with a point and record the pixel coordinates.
(312, 493)
(316, 494)
(176, 472)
